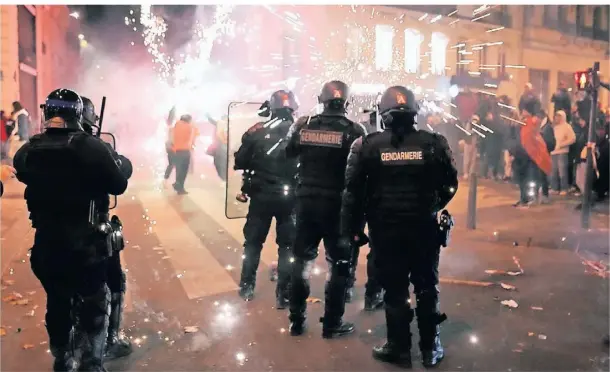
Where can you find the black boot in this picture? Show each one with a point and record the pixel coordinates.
(432, 353)
(94, 324)
(428, 320)
(282, 290)
(246, 291)
(397, 350)
(116, 345)
(374, 301)
(299, 292)
(334, 304)
(248, 272)
(64, 359)
(335, 328)
(282, 296)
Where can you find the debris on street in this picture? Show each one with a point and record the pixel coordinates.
(510, 303)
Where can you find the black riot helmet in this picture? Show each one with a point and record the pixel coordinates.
(282, 104)
(334, 95)
(89, 117)
(64, 104)
(397, 105)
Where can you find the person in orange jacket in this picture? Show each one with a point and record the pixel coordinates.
(6, 173)
(183, 137)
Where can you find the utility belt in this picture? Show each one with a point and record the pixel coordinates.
(108, 235)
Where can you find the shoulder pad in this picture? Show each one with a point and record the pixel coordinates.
(303, 120)
(439, 137)
(36, 137)
(372, 135)
(255, 127)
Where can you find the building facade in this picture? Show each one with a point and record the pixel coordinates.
(504, 47)
(39, 52)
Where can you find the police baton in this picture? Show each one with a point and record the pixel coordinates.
(592, 88)
(101, 120)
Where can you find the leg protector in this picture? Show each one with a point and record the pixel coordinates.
(116, 345)
(283, 277)
(397, 349)
(94, 324)
(336, 292)
(428, 320)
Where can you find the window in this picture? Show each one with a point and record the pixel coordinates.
(562, 16)
(354, 44)
(500, 15)
(580, 18)
(540, 82)
(482, 56)
(413, 40)
(528, 15)
(597, 20)
(384, 38)
(568, 79)
(551, 15)
(439, 53)
(27, 36)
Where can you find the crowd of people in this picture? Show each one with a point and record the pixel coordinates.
(15, 130)
(543, 153)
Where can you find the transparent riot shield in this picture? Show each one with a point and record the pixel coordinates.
(240, 117)
(110, 140)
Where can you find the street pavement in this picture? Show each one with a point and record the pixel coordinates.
(183, 314)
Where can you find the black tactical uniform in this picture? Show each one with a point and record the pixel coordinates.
(322, 144)
(116, 345)
(373, 293)
(400, 179)
(65, 169)
(269, 181)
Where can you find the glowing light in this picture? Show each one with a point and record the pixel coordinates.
(413, 41)
(495, 29)
(474, 339)
(384, 39)
(439, 53)
(75, 15)
(481, 17)
(454, 91)
(81, 37)
(240, 357)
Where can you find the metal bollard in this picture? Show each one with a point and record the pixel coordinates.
(471, 216)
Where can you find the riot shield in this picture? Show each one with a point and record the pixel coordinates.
(240, 117)
(110, 140)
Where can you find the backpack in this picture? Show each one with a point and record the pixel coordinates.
(548, 135)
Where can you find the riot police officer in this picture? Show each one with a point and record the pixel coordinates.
(322, 144)
(269, 181)
(64, 170)
(400, 179)
(373, 293)
(116, 345)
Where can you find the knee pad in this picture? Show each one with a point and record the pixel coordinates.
(95, 309)
(342, 269)
(123, 281)
(303, 268)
